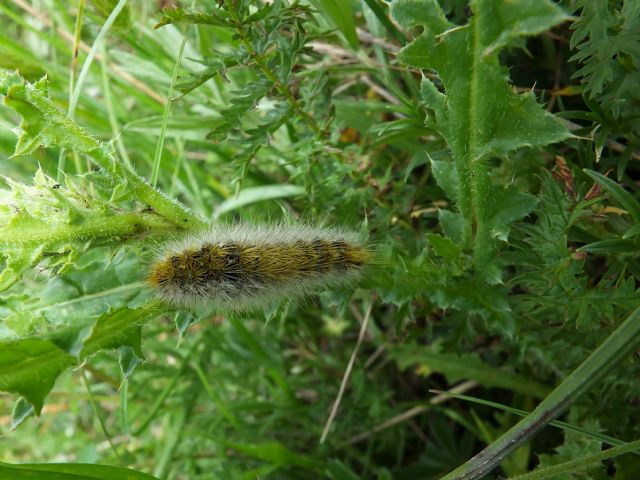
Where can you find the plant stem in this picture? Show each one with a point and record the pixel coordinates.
(29, 100)
(98, 227)
(270, 74)
(96, 412)
(155, 170)
(624, 340)
(480, 178)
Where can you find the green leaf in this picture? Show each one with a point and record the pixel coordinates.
(251, 195)
(175, 15)
(452, 225)
(44, 124)
(574, 446)
(632, 232)
(341, 15)
(446, 177)
(523, 413)
(18, 261)
(477, 92)
(336, 470)
(444, 247)
(509, 205)
(119, 328)
(275, 453)
(585, 466)
(30, 367)
(614, 189)
(69, 471)
(214, 66)
(611, 246)
(466, 367)
(624, 340)
(54, 220)
(379, 8)
(21, 411)
(128, 360)
(607, 44)
(480, 114)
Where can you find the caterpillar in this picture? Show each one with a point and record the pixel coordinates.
(242, 267)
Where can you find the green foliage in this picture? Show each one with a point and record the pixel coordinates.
(341, 14)
(608, 47)
(575, 446)
(466, 367)
(506, 253)
(480, 116)
(30, 367)
(69, 472)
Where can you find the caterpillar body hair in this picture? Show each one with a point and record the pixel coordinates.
(243, 267)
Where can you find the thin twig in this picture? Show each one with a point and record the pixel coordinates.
(347, 373)
(413, 412)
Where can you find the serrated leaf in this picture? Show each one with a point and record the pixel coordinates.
(45, 124)
(452, 224)
(57, 221)
(214, 66)
(480, 100)
(69, 471)
(41, 124)
(444, 247)
(480, 115)
(30, 367)
(510, 205)
(119, 328)
(183, 321)
(437, 102)
(17, 262)
(447, 177)
(67, 304)
(576, 446)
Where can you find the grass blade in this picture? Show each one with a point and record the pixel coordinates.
(620, 343)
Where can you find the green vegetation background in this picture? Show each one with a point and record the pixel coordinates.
(470, 142)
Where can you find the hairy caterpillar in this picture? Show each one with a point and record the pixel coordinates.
(241, 267)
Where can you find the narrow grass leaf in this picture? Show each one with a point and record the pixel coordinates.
(69, 471)
(614, 189)
(251, 195)
(340, 14)
(624, 340)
